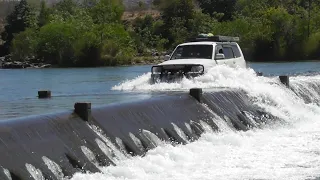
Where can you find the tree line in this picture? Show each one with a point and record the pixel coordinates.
(93, 33)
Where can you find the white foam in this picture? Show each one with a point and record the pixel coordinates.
(180, 132)
(54, 167)
(220, 76)
(117, 154)
(7, 173)
(122, 146)
(308, 86)
(284, 151)
(206, 126)
(34, 172)
(266, 92)
(188, 127)
(137, 141)
(90, 155)
(106, 150)
(152, 138)
(221, 123)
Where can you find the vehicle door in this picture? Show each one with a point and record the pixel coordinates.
(211, 56)
(226, 50)
(238, 56)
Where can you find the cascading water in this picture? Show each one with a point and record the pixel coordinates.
(285, 150)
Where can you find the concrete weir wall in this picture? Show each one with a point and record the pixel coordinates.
(56, 146)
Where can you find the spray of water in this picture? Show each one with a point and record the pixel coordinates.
(34, 172)
(287, 151)
(54, 167)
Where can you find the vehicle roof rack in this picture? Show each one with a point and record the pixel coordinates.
(217, 38)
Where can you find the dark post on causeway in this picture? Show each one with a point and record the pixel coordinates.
(44, 94)
(83, 110)
(259, 73)
(196, 93)
(284, 80)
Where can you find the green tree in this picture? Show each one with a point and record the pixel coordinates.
(251, 8)
(17, 22)
(61, 41)
(282, 26)
(117, 46)
(24, 44)
(43, 17)
(55, 43)
(107, 11)
(177, 16)
(141, 5)
(85, 37)
(223, 10)
(201, 23)
(65, 8)
(312, 46)
(183, 9)
(147, 34)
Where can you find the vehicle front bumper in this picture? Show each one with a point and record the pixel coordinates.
(173, 73)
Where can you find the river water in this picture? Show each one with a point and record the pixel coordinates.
(287, 150)
(18, 88)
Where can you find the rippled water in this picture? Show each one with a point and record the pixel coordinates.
(18, 88)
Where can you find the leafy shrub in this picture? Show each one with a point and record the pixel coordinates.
(312, 46)
(56, 43)
(24, 45)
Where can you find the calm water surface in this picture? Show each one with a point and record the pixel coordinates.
(18, 88)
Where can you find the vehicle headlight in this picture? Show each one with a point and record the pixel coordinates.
(197, 69)
(156, 69)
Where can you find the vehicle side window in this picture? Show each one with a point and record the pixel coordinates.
(219, 50)
(236, 51)
(228, 53)
(178, 53)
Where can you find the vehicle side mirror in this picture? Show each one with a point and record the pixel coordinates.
(166, 57)
(220, 56)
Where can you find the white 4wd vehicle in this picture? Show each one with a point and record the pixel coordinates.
(195, 57)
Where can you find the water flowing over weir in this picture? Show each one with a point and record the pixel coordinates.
(66, 139)
(120, 138)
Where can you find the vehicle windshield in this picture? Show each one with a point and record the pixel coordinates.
(193, 51)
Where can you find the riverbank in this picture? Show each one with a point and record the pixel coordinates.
(7, 63)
